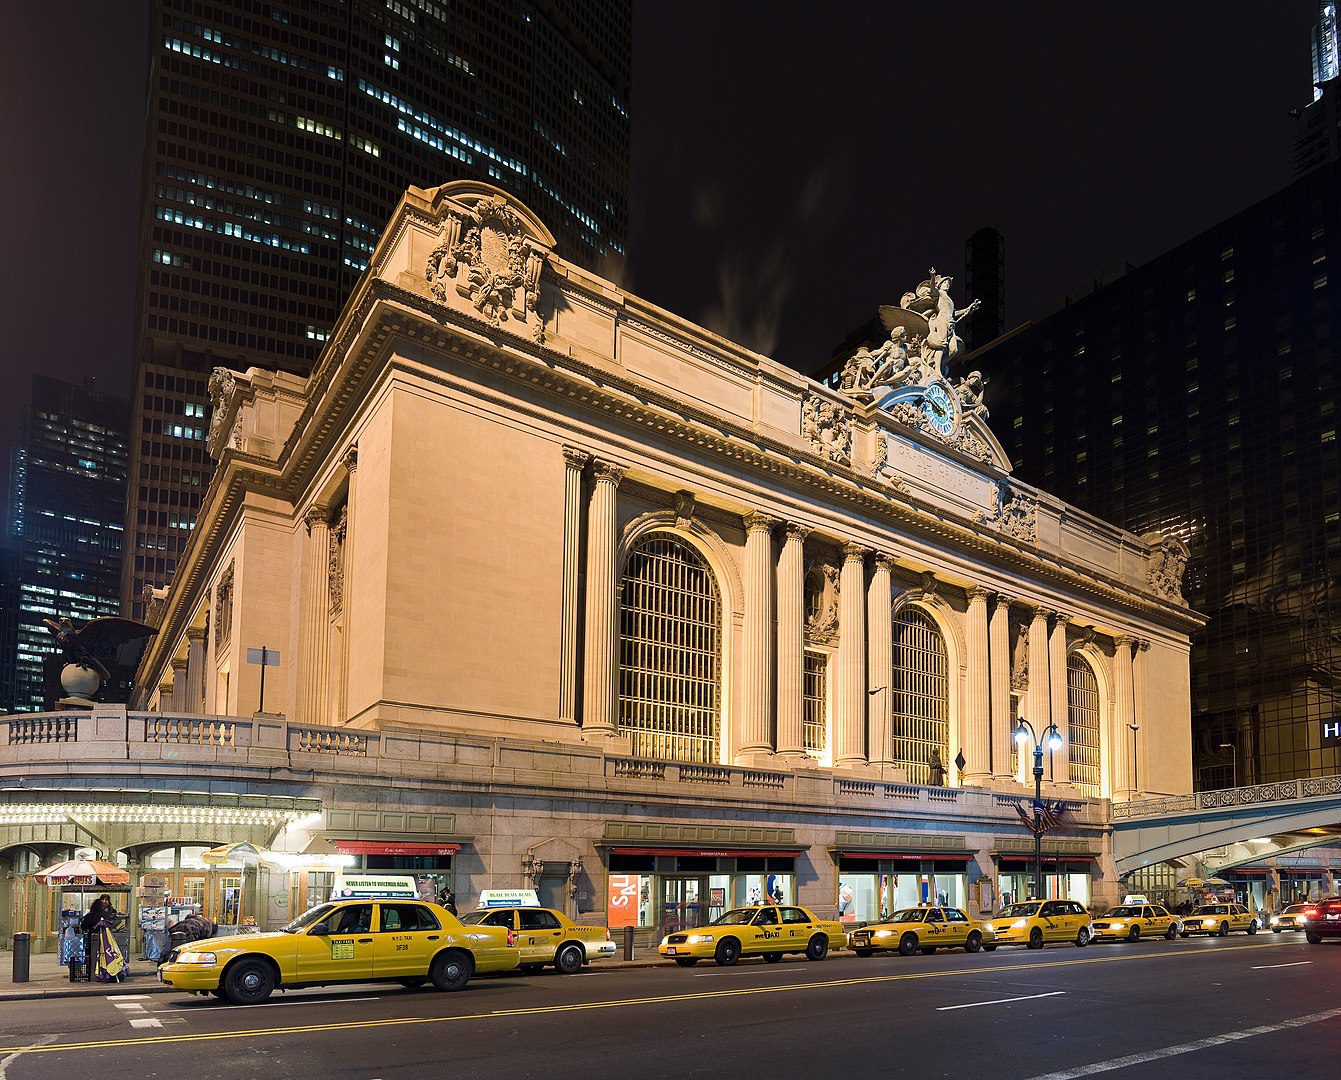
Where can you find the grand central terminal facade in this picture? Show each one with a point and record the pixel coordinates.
(558, 590)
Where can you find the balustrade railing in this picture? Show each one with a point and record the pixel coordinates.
(337, 743)
(43, 729)
(1219, 798)
(190, 731)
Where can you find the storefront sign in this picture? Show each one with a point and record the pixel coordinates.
(509, 898)
(718, 898)
(389, 886)
(622, 900)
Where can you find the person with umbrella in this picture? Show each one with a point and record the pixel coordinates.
(105, 962)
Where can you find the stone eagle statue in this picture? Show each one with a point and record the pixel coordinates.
(82, 646)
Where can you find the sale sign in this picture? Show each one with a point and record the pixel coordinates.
(622, 900)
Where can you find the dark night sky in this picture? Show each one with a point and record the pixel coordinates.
(794, 165)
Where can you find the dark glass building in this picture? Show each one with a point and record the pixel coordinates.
(280, 136)
(67, 492)
(984, 281)
(1198, 394)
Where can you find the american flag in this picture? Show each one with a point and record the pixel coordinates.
(1045, 816)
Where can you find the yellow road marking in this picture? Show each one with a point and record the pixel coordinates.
(581, 1006)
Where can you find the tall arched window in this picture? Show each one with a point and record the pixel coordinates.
(670, 653)
(1082, 714)
(921, 694)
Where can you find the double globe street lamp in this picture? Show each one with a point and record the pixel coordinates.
(1024, 732)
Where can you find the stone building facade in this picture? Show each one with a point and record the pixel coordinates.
(647, 620)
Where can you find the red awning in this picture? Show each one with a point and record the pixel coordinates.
(906, 856)
(1048, 860)
(1303, 871)
(1254, 871)
(724, 853)
(393, 847)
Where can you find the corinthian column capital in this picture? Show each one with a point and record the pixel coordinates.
(575, 457)
(796, 531)
(757, 521)
(855, 552)
(608, 471)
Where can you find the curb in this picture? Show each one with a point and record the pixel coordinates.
(98, 990)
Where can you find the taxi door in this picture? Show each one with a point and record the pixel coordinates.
(937, 932)
(539, 933)
(1056, 921)
(406, 939)
(765, 933)
(1157, 921)
(1242, 918)
(345, 953)
(957, 927)
(798, 925)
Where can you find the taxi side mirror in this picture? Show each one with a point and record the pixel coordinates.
(320, 929)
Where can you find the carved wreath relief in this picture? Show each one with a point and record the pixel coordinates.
(1012, 512)
(828, 427)
(487, 255)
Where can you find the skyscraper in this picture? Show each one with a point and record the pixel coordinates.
(1317, 141)
(280, 136)
(1199, 394)
(67, 491)
(984, 281)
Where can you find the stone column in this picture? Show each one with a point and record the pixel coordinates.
(1003, 720)
(179, 693)
(600, 671)
(880, 661)
(574, 461)
(349, 554)
(315, 617)
(1059, 761)
(1140, 711)
(195, 670)
(850, 740)
(977, 734)
(1038, 708)
(165, 696)
(791, 641)
(756, 734)
(1119, 739)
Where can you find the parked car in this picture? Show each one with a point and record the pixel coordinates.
(405, 941)
(1221, 919)
(765, 931)
(1034, 923)
(1131, 922)
(923, 929)
(1324, 920)
(548, 937)
(1291, 918)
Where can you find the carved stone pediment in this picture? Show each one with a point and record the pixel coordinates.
(1013, 513)
(491, 252)
(1165, 565)
(827, 426)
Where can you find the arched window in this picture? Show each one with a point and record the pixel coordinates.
(1082, 716)
(921, 694)
(670, 653)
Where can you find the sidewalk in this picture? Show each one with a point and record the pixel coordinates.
(47, 979)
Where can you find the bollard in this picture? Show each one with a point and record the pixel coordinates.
(22, 943)
(628, 943)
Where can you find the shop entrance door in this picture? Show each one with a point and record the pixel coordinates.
(683, 903)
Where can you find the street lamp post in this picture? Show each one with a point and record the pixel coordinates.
(1024, 732)
(1233, 761)
(1135, 764)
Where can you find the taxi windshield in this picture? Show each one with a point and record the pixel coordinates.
(307, 918)
(1294, 909)
(735, 917)
(911, 914)
(1212, 909)
(1125, 913)
(474, 918)
(1018, 911)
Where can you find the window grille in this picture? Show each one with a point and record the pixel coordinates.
(1082, 739)
(814, 701)
(670, 654)
(921, 694)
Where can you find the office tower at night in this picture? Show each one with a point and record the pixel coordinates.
(281, 135)
(1198, 394)
(984, 281)
(66, 501)
(1318, 141)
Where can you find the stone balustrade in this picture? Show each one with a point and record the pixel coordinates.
(165, 750)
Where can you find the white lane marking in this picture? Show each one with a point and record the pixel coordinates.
(1269, 967)
(146, 1022)
(1189, 1047)
(127, 997)
(132, 1006)
(6, 1062)
(1000, 1001)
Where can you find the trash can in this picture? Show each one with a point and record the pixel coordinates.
(628, 943)
(22, 945)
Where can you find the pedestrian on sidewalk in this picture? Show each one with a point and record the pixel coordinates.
(103, 956)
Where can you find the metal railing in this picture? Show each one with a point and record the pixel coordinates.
(1251, 795)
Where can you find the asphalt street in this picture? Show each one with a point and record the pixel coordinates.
(1264, 1006)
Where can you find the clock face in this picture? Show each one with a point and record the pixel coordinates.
(940, 409)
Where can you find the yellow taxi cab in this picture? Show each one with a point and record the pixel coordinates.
(922, 928)
(406, 941)
(1220, 919)
(1293, 917)
(546, 936)
(766, 931)
(1131, 922)
(1034, 923)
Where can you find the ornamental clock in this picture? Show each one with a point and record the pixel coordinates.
(940, 406)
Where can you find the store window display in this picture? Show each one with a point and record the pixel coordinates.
(869, 889)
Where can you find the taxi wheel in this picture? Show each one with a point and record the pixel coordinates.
(686, 961)
(1312, 937)
(451, 970)
(413, 983)
(1035, 938)
(1171, 933)
(1134, 934)
(864, 952)
(728, 952)
(817, 948)
(973, 943)
(249, 982)
(1252, 928)
(772, 957)
(908, 944)
(1083, 937)
(1224, 929)
(569, 960)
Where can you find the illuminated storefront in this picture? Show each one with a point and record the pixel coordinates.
(873, 884)
(1068, 879)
